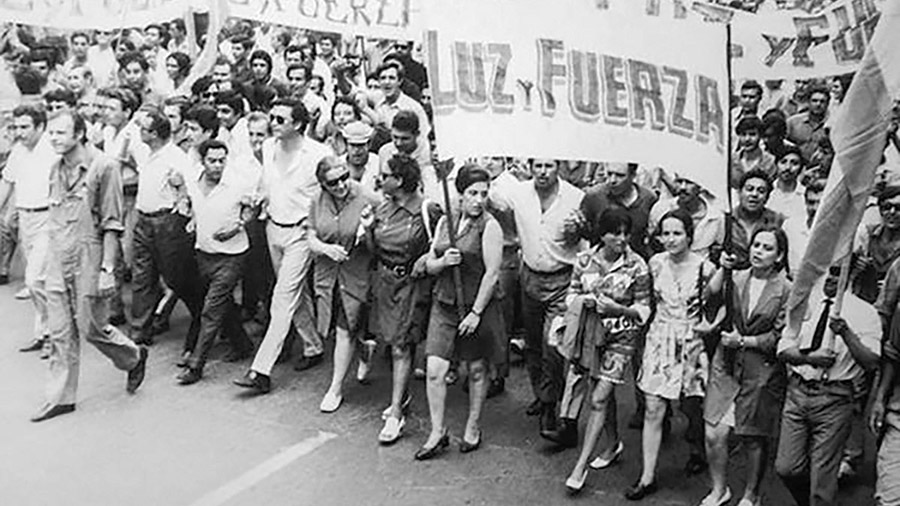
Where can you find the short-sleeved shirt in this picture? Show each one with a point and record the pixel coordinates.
(154, 191)
(545, 247)
(216, 209)
(86, 201)
(290, 190)
(806, 133)
(29, 172)
(400, 234)
(762, 161)
(861, 317)
(597, 200)
(387, 110)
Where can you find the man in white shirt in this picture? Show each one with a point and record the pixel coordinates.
(390, 75)
(289, 184)
(798, 227)
(363, 167)
(815, 421)
(27, 179)
(541, 208)
(406, 138)
(162, 245)
(787, 193)
(298, 77)
(709, 220)
(220, 211)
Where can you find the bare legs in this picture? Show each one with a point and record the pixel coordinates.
(654, 413)
(596, 421)
(403, 358)
(343, 355)
(436, 388)
(717, 453)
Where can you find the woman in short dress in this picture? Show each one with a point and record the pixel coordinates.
(342, 264)
(746, 380)
(675, 364)
(398, 238)
(613, 284)
(478, 255)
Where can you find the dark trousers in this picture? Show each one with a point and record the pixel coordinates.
(162, 247)
(815, 424)
(259, 278)
(543, 298)
(219, 275)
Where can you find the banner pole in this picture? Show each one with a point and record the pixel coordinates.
(730, 354)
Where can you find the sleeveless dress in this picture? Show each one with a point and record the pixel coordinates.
(442, 340)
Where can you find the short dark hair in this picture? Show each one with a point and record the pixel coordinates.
(205, 116)
(299, 114)
(406, 121)
(80, 34)
(154, 25)
(613, 220)
(61, 95)
(129, 46)
(209, 144)
(42, 54)
(749, 124)
(818, 88)
(470, 174)
(183, 61)
(756, 174)
(38, 116)
(293, 48)
(232, 99)
(407, 169)
(684, 218)
(126, 97)
(752, 85)
(888, 193)
(774, 118)
(791, 150)
(344, 100)
(307, 72)
(261, 54)
(178, 101)
(159, 124)
(814, 185)
(390, 65)
(133, 57)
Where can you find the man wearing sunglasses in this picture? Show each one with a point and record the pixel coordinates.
(879, 245)
(289, 184)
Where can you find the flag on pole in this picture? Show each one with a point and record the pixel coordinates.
(858, 137)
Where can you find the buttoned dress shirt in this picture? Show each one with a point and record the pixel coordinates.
(544, 247)
(29, 172)
(863, 320)
(387, 110)
(788, 203)
(215, 209)
(155, 193)
(290, 190)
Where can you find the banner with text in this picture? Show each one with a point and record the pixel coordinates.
(91, 14)
(391, 19)
(566, 80)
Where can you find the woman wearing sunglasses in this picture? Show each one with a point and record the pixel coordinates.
(341, 269)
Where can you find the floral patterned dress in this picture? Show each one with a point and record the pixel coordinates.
(675, 362)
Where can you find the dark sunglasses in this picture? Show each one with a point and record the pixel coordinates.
(334, 182)
(889, 206)
(278, 120)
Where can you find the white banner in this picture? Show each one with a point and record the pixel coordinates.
(391, 19)
(88, 14)
(567, 80)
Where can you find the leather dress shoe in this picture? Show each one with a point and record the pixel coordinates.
(258, 383)
(189, 376)
(34, 345)
(430, 453)
(49, 411)
(639, 491)
(136, 375)
(467, 447)
(184, 360)
(534, 409)
(309, 362)
(548, 417)
(565, 435)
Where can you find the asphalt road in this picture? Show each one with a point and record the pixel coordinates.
(208, 445)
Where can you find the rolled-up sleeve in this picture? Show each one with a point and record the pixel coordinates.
(110, 201)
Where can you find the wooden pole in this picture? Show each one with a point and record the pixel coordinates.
(443, 169)
(728, 324)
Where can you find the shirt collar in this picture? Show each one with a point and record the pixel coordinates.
(79, 157)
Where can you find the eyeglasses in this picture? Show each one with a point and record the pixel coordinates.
(278, 120)
(334, 182)
(889, 206)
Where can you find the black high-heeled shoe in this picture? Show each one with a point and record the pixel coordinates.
(466, 447)
(639, 491)
(430, 453)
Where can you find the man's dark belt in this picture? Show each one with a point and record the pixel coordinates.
(558, 272)
(33, 209)
(157, 213)
(287, 225)
(808, 383)
(400, 270)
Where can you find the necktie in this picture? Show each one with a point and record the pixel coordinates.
(821, 325)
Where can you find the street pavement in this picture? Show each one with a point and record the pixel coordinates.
(207, 444)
